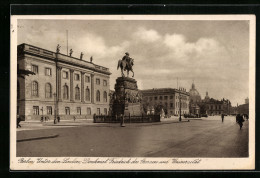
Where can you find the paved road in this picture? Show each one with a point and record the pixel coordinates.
(197, 138)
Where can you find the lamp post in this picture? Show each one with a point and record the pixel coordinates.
(55, 108)
(180, 105)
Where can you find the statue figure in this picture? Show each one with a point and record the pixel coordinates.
(81, 55)
(126, 64)
(58, 49)
(71, 52)
(91, 59)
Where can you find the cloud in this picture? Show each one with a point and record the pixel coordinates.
(147, 36)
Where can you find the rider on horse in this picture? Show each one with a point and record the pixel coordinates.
(126, 58)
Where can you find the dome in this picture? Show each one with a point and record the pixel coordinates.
(194, 94)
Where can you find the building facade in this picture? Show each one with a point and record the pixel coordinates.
(64, 86)
(168, 99)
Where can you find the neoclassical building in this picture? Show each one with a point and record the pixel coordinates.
(62, 85)
(169, 99)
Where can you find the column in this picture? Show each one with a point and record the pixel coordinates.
(71, 84)
(59, 82)
(92, 88)
(82, 87)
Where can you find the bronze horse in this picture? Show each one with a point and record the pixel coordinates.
(126, 66)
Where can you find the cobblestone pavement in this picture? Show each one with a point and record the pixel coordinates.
(205, 137)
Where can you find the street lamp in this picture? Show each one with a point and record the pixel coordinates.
(42, 114)
(55, 108)
(180, 104)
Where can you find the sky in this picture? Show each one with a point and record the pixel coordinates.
(213, 54)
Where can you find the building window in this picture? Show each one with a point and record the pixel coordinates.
(49, 110)
(34, 88)
(76, 77)
(67, 110)
(98, 81)
(171, 105)
(65, 74)
(35, 110)
(105, 96)
(79, 110)
(166, 105)
(87, 79)
(155, 98)
(18, 90)
(48, 90)
(98, 111)
(65, 92)
(88, 111)
(48, 71)
(160, 97)
(165, 97)
(35, 69)
(171, 97)
(98, 95)
(87, 94)
(77, 93)
(104, 83)
(105, 111)
(219, 106)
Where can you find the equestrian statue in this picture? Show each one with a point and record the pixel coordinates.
(126, 64)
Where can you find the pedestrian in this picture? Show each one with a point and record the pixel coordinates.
(240, 120)
(222, 117)
(18, 121)
(74, 118)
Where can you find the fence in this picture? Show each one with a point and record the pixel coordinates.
(127, 119)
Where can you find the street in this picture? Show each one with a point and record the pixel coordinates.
(205, 137)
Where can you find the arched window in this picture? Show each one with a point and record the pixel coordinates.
(65, 92)
(77, 93)
(87, 94)
(105, 96)
(48, 90)
(35, 88)
(98, 95)
(18, 90)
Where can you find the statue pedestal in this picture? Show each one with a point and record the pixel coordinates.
(127, 97)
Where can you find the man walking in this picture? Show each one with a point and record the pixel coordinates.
(222, 117)
(18, 121)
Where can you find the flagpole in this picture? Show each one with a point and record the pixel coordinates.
(67, 43)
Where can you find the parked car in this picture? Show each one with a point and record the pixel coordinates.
(204, 115)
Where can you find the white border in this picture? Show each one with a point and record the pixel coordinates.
(205, 163)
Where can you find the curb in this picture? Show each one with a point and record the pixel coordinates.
(37, 138)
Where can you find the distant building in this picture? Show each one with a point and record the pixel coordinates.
(247, 100)
(207, 105)
(168, 99)
(243, 108)
(63, 85)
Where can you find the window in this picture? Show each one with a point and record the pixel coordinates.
(35, 69)
(171, 97)
(165, 97)
(105, 111)
(35, 110)
(171, 105)
(88, 111)
(79, 110)
(98, 95)
(49, 110)
(166, 105)
(34, 88)
(160, 97)
(104, 83)
(76, 77)
(48, 90)
(87, 97)
(65, 92)
(48, 71)
(155, 98)
(219, 106)
(98, 81)
(105, 96)
(87, 79)
(65, 74)
(77, 93)
(67, 110)
(98, 111)
(18, 90)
